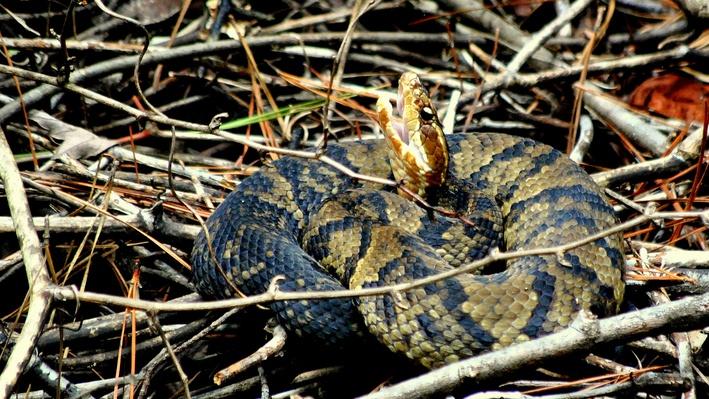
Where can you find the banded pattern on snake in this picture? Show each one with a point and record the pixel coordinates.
(518, 194)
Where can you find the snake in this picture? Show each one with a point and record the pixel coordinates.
(312, 227)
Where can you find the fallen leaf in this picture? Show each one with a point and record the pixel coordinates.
(77, 143)
(672, 95)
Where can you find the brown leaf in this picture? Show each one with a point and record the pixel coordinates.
(672, 95)
(77, 143)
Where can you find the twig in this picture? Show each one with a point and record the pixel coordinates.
(98, 327)
(151, 368)
(160, 118)
(583, 335)
(653, 140)
(684, 352)
(626, 121)
(610, 365)
(660, 382)
(535, 42)
(175, 361)
(37, 275)
(477, 11)
(273, 294)
(334, 15)
(191, 126)
(183, 332)
(77, 224)
(682, 155)
(93, 208)
(669, 256)
(496, 81)
(265, 389)
(53, 378)
(273, 346)
(225, 46)
(585, 137)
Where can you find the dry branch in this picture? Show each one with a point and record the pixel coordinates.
(582, 336)
(37, 275)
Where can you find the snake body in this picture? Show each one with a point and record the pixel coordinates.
(533, 193)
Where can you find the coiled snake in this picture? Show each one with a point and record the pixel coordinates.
(532, 193)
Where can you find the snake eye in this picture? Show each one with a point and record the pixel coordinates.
(427, 114)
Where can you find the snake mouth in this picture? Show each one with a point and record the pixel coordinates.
(393, 125)
(399, 125)
(402, 127)
(416, 141)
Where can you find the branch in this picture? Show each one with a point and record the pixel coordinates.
(681, 156)
(273, 294)
(270, 348)
(583, 335)
(478, 12)
(538, 38)
(37, 275)
(109, 66)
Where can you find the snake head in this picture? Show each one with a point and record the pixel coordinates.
(418, 151)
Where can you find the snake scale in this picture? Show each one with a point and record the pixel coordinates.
(514, 194)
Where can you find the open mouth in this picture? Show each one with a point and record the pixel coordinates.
(393, 125)
(399, 124)
(413, 137)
